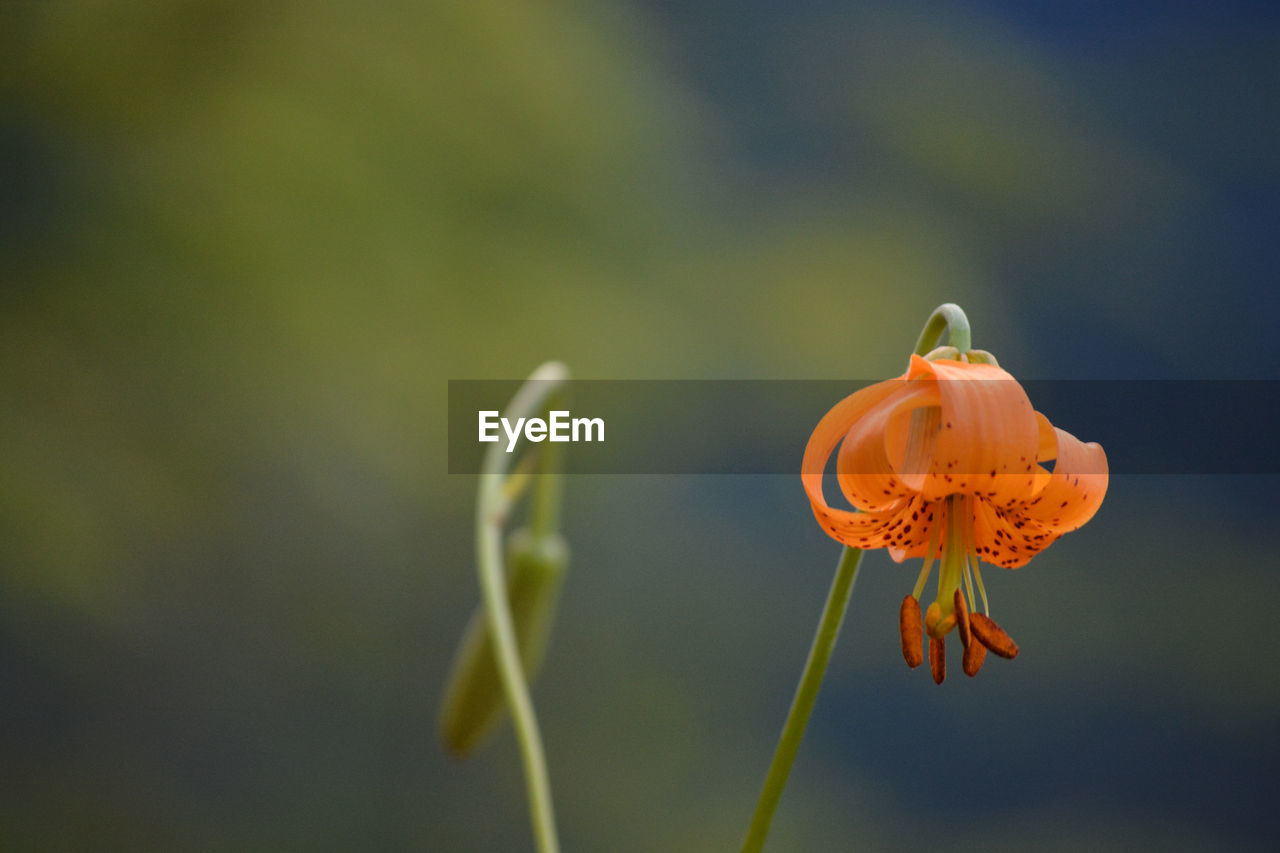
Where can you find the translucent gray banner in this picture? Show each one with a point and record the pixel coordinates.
(762, 426)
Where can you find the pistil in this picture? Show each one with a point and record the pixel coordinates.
(953, 556)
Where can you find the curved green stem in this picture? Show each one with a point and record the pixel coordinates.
(951, 317)
(544, 514)
(491, 510)
(815, 667)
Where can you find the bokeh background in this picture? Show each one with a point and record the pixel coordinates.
(246, 245)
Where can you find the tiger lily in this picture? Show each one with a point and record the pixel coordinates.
(943, 462)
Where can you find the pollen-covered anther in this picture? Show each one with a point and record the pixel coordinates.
(962, 618)
(974, 656)
(912, 635)
(937, 659)
(993, 636)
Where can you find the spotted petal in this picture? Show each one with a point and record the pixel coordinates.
(846, 526)
(988, 436)
(1072, 493)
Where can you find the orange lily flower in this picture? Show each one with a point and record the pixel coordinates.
(943, 462)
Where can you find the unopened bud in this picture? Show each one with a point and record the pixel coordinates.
(473, 699)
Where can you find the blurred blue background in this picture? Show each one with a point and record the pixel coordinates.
(244, 247)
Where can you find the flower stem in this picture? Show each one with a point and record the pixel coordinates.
(491, 510)
(544, 514)
(951, 317)
(815, 667)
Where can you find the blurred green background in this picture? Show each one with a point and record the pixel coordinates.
(245, 245)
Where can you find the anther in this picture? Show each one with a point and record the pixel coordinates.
(938, 659)
(962, 618)
(974, 655)
(909, 627)
(992, 636)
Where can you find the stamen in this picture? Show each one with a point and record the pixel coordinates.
(970, 552)
(937, 659)
(950, 577)
(974, 655)
(912, 636)
(993, 636)
(923, 577)
(962, 618)
(934, 534)
(969, 562)
(977, 574)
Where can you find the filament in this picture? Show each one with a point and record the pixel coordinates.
(977, 574)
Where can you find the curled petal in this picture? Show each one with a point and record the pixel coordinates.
(847, 527)
(1047, 448)
(1064, 499)
(1072, 493)
(949, 428)
(900, 529)
(988, 435)
(855, 529)
(867, 477)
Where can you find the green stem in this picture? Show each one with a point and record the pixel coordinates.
(806, 694)
(491, 509)
(951, 317)
(544, 514)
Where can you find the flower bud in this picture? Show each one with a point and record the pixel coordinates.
(473, 699)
